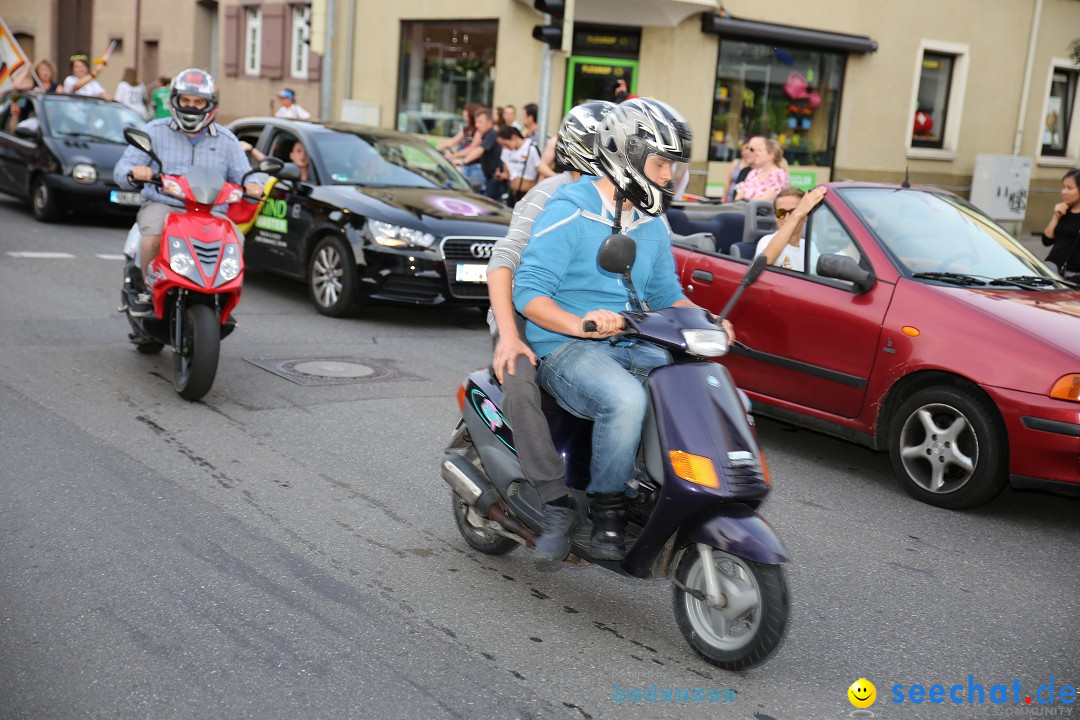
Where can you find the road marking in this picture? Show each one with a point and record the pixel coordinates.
(46, 255)
(110, 256)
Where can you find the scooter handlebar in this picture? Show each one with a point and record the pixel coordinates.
(588, 326)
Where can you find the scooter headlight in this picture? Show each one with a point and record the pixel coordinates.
(706, 343)
(172, 187)
(230, 268)
(235, 196)
(181, 264)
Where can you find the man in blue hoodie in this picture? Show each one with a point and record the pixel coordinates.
(643, 147)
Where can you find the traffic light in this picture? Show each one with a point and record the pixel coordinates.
(559, 34)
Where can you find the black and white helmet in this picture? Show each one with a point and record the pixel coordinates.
(575, 147)
(644, 148)
(193, 82)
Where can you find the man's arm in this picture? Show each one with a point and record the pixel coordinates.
(132, 157)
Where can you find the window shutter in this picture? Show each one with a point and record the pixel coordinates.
(233, 40)
(314, 66)
(275, 41)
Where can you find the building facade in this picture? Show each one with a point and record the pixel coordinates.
(852, 89)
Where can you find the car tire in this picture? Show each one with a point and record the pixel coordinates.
(43, 201)
(331, 277)
(948, 447)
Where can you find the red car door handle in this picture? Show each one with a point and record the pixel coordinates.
(701, 276)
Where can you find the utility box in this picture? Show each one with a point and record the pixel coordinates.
(1000, 185)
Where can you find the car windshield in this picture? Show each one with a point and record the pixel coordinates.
(939, 237)
(91, 120)
(385, 162)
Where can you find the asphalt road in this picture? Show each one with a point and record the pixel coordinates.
(288, 551)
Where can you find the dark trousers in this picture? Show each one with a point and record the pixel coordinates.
(542, 465)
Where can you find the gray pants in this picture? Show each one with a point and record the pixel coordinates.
(542, 465)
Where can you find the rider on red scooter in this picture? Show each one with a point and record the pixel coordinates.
(188, 138)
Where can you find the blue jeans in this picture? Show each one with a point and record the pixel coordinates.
(602, 382)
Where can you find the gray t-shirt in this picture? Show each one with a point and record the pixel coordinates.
(507, 251)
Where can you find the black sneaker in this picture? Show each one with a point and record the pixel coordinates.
(141, 305)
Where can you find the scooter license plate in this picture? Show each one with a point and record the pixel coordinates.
(120, 197)
(472, 273)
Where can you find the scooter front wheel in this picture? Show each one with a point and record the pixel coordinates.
(479, 537)
(750, 621)
(197, 357)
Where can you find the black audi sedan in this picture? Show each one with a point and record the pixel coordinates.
(380, 216)
(58, 152)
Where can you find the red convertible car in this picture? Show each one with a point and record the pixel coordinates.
(919, 327)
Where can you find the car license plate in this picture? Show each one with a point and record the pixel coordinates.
(472, 273)
(121, 197)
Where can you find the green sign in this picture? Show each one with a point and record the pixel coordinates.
(272, 216)
(802, 179)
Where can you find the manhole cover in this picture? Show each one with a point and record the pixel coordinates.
(331, 371)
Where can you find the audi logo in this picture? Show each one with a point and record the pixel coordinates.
(480, 250)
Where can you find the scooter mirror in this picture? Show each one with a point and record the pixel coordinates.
(271, 165)
(138, 138)
(617, 254)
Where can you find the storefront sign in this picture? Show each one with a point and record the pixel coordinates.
(802, 179)
(590, 41)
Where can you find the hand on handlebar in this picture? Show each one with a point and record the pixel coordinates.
(254, 189)
(725, 325)
(142, 173)
(601, 324)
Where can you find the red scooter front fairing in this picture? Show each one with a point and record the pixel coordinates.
(200, 252)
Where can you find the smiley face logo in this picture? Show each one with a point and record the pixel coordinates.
(862, 693)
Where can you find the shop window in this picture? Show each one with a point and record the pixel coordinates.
(298, 53)
(932, 106)
(253, 41)
(1059, 112)
(789, 94)
(444, 66)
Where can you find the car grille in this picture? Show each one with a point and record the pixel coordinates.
(415, 289)
(207, 254)
(466, 250)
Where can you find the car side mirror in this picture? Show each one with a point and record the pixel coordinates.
(28, 133)
(842, 267)
(288, 171)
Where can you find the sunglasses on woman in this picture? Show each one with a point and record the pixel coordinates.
(781, 213)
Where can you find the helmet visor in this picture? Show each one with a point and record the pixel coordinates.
(664, 172)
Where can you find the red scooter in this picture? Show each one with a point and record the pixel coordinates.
(196, 277)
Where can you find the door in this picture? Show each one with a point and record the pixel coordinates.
(16, 152)
(593, 78)
(285, 220)
(805, 339)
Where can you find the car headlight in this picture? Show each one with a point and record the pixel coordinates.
(706, 343)
(389, 235)
(84, 173)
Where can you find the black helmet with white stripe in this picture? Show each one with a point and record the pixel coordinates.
(644, 148)
(575, 147)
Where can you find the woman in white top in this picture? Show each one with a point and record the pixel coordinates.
(129, 92)
(83, 80)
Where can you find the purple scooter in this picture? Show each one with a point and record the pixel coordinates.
(702, 477)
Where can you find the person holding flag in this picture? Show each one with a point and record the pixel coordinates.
(83, 80)
(12, 57)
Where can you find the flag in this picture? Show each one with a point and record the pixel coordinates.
(12, 58)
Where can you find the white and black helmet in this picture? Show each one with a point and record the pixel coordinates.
(575, 147)
(193, 82)
(641, 132)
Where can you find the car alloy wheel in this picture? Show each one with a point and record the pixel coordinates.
(326, 276)
(948, 447)
(332, 277)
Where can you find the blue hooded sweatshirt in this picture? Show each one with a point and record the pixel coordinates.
(560, 261)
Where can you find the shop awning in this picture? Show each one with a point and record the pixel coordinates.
(730, 28)
(644, 13)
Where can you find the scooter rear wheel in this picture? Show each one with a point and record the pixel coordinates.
(479, 538)
(197, 358)
(749, 630)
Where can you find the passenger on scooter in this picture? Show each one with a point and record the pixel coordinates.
(189, 137)
(643, 148)
(514, 361)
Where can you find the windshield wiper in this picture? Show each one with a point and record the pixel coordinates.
(955, 278)
(91, 136)
(1031, 281)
